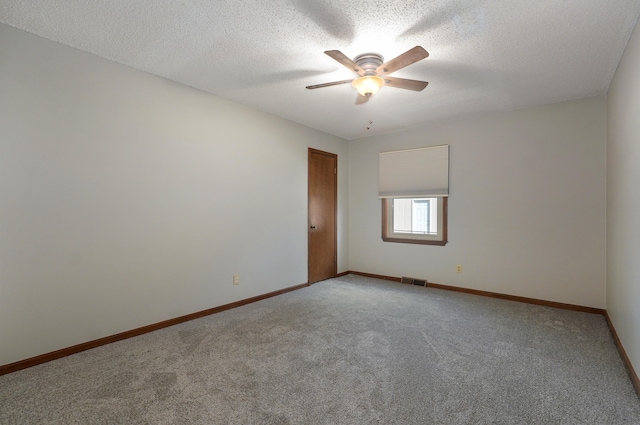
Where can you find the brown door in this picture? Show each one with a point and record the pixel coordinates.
(323, 200)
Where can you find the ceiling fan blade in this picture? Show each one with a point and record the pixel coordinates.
(403, 83)
(333, 83)
(361, 99)
(344, 60)
(399, 62)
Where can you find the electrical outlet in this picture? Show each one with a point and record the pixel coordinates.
(459, 268)
(236, 279)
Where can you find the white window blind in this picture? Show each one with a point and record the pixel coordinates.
(415, 173)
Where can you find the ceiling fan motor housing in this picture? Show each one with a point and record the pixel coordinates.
(369, 62)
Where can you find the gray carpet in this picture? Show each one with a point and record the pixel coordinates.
(350, 350)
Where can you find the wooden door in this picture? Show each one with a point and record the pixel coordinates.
(323, 201)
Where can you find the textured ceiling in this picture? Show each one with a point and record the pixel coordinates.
(485, 55)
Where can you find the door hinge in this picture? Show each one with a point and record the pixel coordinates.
(335, 171)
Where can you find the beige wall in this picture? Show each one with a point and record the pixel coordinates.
(623, 200)
(126, 199)
(527, 210)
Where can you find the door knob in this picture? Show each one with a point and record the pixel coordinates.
(313, 227)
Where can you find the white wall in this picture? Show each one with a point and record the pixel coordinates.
(527, 212)
(126, 199)
(623, 200)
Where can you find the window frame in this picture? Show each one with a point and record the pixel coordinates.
(387, 227)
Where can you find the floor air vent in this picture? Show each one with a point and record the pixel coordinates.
(413, 281)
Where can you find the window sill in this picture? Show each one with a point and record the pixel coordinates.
(414, 241)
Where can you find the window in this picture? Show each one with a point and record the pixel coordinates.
(414, 186)
(415, 220)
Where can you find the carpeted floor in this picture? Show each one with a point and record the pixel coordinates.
(351, 350)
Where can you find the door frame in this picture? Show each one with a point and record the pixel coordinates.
(312, 151)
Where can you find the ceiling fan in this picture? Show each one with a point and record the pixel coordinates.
(373, 73)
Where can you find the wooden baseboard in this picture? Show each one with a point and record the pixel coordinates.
(526, 300)
(623, 355)
(375, 276)
(492, 294)
(43, 358)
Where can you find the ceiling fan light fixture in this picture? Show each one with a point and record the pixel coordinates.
(368, 85)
